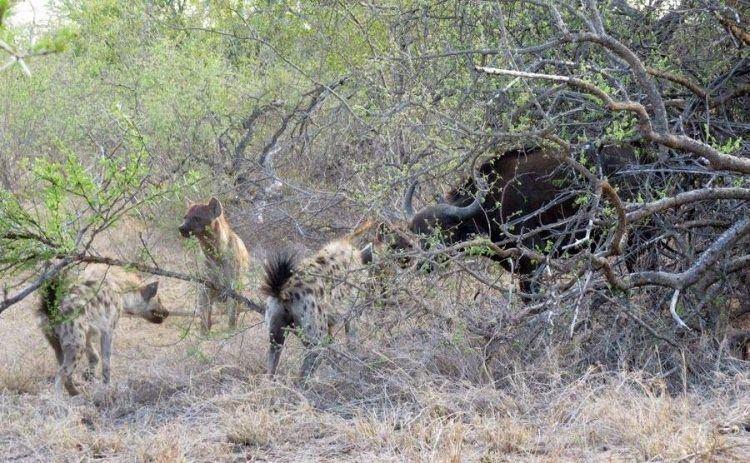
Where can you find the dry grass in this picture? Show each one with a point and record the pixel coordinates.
(401, 395)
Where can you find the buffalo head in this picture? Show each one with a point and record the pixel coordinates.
(453, 220)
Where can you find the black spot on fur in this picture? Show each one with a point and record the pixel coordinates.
(321, 260)
(279, 268)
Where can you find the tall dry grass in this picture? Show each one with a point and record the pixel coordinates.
(420, 385)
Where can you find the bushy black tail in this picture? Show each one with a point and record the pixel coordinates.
(279, 267)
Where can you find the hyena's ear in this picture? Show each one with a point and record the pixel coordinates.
(366, 254)
(214, 205)
(149, 291)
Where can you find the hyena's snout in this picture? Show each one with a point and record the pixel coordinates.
(158, 315)
(184, 230)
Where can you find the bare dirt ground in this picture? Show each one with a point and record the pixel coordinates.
(175, 397)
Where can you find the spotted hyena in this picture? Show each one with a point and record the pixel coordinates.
(226, 256)
(77, 312)
(304, 296)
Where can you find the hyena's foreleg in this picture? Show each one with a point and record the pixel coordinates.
(310, 362)
(205, 302)
(55, 343)
(64, 376)
(92, 355)
(106, 343)
(232, 311)
(350, 327)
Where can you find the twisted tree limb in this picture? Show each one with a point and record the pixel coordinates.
(683, 280)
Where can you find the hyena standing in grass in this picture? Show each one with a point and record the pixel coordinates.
(304, 296)
(77, 314)
(227, 259)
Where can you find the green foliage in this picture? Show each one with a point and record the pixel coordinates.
(622, 127)
(52, 292)
(4, 10)
(69, 202)
(54, 41)
(57, 41)
(729, 144)
(479, 250)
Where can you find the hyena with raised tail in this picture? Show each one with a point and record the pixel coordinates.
(227, 259)
(304, 295)
(76, 313)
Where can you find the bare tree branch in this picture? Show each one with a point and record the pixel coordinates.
(646, 210)
(717, 159)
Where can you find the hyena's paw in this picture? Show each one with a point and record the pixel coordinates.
(73, 388)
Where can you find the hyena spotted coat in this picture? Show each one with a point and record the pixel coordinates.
(226, 256)
(304, 296)
(76, 313)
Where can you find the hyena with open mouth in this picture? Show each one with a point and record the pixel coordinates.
(304, 296)
(76, 313)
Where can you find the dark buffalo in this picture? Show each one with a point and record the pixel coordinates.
(529, 193)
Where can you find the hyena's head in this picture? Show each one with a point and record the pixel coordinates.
(200, 218)
(144, 302)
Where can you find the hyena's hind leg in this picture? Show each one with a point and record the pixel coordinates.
(278, 320)
(93, 357)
